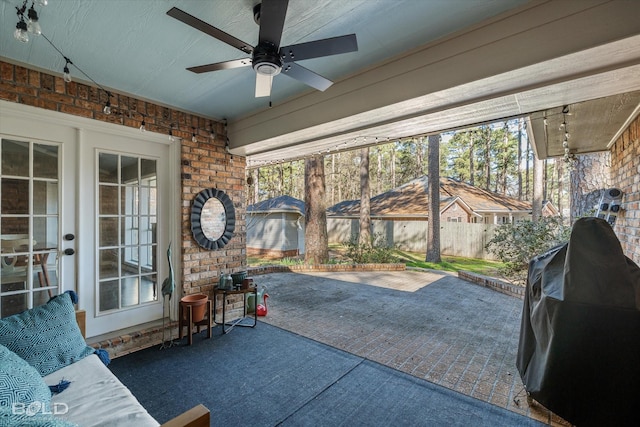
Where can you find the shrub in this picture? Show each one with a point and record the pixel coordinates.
(515, 244)
(378, 251)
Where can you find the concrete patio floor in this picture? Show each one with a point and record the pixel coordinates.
(431, 325)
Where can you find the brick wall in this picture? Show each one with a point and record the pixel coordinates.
(625, 174)
(204, 163)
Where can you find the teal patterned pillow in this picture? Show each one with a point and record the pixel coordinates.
(22, 389)
(47, 336)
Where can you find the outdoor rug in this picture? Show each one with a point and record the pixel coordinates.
(267, 376)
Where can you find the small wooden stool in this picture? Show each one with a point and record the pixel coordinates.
(186, 319)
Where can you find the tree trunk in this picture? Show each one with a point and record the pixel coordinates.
(393, 168)
(365, 195)
(538, 174)
(526, 173)
(590, 176)
(519, 159)
(487, 162)
(418, 144)
(315, 220)
(379, 183)
(472, 171)
(433, 184)
(255, 174)
(560, 170)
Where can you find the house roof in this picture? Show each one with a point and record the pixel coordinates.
(481, 200)
(278, 204)
(412, 199)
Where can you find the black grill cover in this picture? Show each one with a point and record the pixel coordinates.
(579, 350)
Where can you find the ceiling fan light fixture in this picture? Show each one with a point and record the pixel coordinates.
(267, 68)
(266, 60)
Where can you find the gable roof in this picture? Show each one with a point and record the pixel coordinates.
(481, 200)
(278, 204)
(412, 200)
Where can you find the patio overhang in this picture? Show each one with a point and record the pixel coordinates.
(530, 61)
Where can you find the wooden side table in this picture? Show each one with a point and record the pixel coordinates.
(228, 326)
(186, 319)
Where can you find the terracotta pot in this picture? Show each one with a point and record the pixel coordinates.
(198, 303)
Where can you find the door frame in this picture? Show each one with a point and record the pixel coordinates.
(27, 122)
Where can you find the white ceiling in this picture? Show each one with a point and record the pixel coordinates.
(423, 66)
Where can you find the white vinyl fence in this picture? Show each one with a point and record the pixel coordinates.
(456, 238)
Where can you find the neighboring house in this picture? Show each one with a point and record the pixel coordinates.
(275, 227)
(468, 217)
(459, 202)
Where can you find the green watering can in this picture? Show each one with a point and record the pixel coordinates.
(250, 300)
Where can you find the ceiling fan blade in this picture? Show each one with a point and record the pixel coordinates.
(263, 85)
(226, 65)
(306, 76)
(198, 24)
(272, 14)
(318, 48)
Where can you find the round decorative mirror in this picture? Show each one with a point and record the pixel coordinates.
(213, 218)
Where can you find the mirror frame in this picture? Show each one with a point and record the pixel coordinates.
(196, 218)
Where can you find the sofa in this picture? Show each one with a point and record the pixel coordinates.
(49, 376)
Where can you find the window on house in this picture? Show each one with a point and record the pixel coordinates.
(127, 191)
(29, 223)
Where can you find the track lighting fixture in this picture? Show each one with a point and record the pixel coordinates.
(33, 26)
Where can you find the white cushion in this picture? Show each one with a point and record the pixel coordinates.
(96, 397)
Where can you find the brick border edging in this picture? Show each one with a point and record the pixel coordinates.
(493, 283)
(255, 271)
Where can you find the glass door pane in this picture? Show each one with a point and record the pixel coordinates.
(127, 188)
(29, 224)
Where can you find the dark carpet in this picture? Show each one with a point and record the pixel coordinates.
(267, 376)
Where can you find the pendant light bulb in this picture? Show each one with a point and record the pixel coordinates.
(33, 26)
(66, 76)
(107, 108)
(142, 126)
(21, 34)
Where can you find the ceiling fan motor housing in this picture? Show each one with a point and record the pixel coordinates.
(266, 60)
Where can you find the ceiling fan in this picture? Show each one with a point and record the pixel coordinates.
(268, 58)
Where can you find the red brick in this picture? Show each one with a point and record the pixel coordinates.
(76, 111)
(34, 78)
(22, 75)
(6, 71)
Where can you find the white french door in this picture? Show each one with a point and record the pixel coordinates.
(124, 193)
(93, 205)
